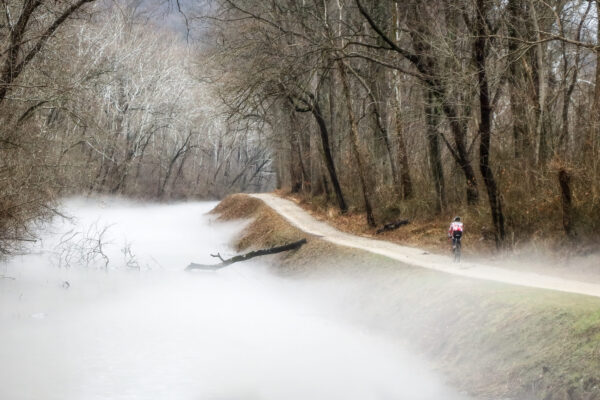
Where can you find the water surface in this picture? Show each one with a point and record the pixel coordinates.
(124, 321)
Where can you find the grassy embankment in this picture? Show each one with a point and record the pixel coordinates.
(492, 340)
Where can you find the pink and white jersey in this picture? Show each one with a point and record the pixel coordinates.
(455, 227)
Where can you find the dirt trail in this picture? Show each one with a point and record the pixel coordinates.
(417, 257)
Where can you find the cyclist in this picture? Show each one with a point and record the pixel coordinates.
(455, 231)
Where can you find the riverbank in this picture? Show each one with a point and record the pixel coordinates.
(492, 340)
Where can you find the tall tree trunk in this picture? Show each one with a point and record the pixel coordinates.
(278, 171)
(382, 132)
(564, 181)
(460, 133)
(539, 73)
(515, 79)
(325, 185)
(435, 157)
(485, 123)
(295, 172)
(333, 123)
(304, 147)
(379, 126)
(327, 156)
(360, 163)
(407, 188)
(564, 138)
(163, 185)
(179, 174)
(423, 58)
(305, 178)
(593, 136)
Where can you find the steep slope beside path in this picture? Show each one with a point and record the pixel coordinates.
(412, 256)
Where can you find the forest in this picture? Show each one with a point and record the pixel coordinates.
(419, 109)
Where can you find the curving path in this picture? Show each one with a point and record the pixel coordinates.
(413, 256)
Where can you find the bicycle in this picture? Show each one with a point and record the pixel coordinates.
(456, 247)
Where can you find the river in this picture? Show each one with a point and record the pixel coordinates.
(102, 309)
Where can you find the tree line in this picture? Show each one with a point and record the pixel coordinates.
(424, 109)
(485, 106)
(99, 97)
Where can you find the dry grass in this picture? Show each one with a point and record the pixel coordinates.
(237, 206)
(426, 233)
(267, 228)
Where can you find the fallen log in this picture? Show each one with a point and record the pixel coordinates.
(246, 257)
(393, 225)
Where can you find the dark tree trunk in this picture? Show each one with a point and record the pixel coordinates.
(297, 147)
(296, 167)
(459, 133)
(325, 185)
(428, 66)
(564, 180)
(328, 158)
(405, 179)
(407, 187)
(593, 136)
(568, 87)
(379, 125)
(538, 74)
(180, 152)
(435, 157)
(311, 104)
(424, 60)
(295, 171)
(515, 79)
(360, 163)
(485, 123)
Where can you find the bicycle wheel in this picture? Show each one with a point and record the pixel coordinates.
(457, 251)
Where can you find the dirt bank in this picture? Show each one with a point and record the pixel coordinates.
(492, 340)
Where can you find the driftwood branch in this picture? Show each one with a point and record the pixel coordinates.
(218, 255)
(392, 226)
(247, 256)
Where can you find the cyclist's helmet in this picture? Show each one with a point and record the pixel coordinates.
(456, 219)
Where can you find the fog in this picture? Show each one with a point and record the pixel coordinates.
(118, 318)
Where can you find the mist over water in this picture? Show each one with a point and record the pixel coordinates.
(126, 322)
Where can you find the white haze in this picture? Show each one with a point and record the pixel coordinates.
(151, 331)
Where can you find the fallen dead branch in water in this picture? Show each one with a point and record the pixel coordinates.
(247, 256)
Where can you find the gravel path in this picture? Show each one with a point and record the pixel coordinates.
(413, 256)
